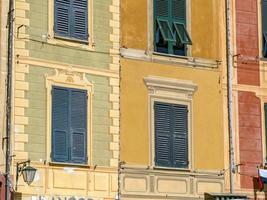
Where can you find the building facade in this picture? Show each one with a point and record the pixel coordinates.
(172, 135)
(249, 93)
(66, 97)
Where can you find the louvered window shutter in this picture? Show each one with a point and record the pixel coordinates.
(78, 126)
(80, 19)
(163, 134)
(178, 11)
(171, 135)
(180, 136)
(62, 17)
(60, 124)
(264, 27)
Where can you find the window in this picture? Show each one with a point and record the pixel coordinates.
(71, 19)
(265, 118)
(170, 34)
(69, 125)
(264, 28)
(171, 135)
(170, 119)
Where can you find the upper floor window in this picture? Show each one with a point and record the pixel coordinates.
(171, 134)
(170, 34)
(71, 19)
(69, 125)
(264, 28)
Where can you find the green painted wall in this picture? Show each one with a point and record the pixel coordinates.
(36, 112)
(39, 48)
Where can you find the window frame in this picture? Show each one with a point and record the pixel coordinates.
(52, 38)
(151, 30)
(68, 79)
(174, 91)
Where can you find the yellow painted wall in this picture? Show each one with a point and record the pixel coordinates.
(207, 112)
(204, 19)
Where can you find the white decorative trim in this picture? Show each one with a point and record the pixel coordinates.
(169, 59)
(71, 79)
(171, 91)
(114, 128)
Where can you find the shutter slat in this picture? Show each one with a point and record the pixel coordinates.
(78, 125)
(60, 124)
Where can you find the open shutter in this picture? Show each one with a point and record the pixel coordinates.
(163, 134)
(264, 27)
(60, 124)
(80, 19)
(78, 107)
(62, 17)
(180, 136)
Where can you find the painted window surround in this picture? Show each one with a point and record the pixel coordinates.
(150, 10)
(70, 42)
(69, 79)
(173, 91)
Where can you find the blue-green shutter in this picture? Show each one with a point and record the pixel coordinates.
(264, 27)
(60, 124)
(178, 9)
(78, 126)
(180, 136)
(163, 134)
(171, 135)
(62, 17)
(71, 19)
(80, 19)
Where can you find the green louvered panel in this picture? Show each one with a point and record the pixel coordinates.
(178, 9)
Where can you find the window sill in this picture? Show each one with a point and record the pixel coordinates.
(169, 59)
(172, 169)
(69, 42)
(59, 164)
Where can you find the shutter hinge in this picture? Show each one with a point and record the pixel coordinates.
(86, 159)
(50, 154)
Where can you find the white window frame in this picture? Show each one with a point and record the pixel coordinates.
(161, 89)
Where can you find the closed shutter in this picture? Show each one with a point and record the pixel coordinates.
(180, 136)
(171, 135)
(178, 10)
(60, 124)
(80, 19)
(163, 134)
(62, 17)
(78, 130)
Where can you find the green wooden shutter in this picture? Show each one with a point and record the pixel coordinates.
(80, 19)
(163, 134)
(78, 126)
(161, 8)
(62, 19)
(264, 27)
(178, 10)
(60, 124)
(180, 136)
